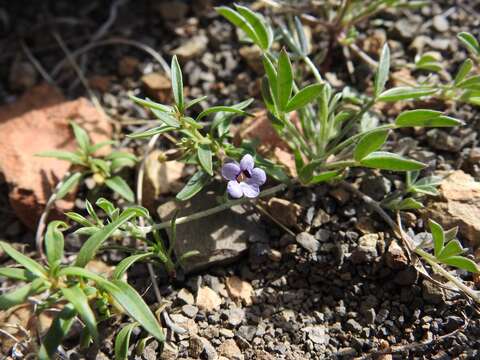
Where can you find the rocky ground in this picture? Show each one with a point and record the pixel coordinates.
(337, 284)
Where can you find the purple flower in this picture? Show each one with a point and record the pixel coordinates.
(244, 178)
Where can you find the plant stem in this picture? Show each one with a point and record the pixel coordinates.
(214, 210)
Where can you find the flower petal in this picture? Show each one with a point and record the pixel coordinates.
(247, 163)
(231, 170)
(250, 191)
(258, 177)
(234, 189)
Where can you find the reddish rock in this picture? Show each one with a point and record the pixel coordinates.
(158, 87)
(39, 121)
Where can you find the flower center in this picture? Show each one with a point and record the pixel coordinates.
(243, 176)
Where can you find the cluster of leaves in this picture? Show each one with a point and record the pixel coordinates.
(75, 291)
(446, 249)
(85, 163)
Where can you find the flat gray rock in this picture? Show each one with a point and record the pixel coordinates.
(220, 238)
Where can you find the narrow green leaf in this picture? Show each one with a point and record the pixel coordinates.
(177, 83)
(216, 109)
(81, 136)
(167, 119)
(79, 300)
(239, 21)
(90, 247)
(304, 96)
(408, 204)
(95, 147)
(470, 42)
(438, 236)
(80, 219)
(31, 265)
(383, 70)
(404, 93)
(205, 158)
(122, 341)
(20, 295)
(463, 71)
(451, 234)
(57, 332)
(81, 272)
(389, 161)
(106, 206)
(91, 211)
(54, 242)
(69, 184)
(452, 248)
(62, 155)
(151, 104)
(471, 83)
(258, 24)
(370, 142)
(425, 118)
(195, 101)
(125, 264)
(461, 263)
(284, 80)
(151, 132)
(121, 187)
(194, 185)
(134, 305)
(323, 177)
(15, 273)
(271, 73)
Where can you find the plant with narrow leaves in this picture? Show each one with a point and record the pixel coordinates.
(447, 250)
(85, 162)
(334, 131)
(73, 290)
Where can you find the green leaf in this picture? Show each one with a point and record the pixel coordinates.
(194, 185)
(284, 80)
(15, 273)
(168, 119)
(463, 71)
(80, 219)
(122, 341)
(95, 147)
(121, 187)
(370, 142)
(134, 305)
(259, 26)
(20, 295)
(205, 158)
(389, 161)
(90, 247)
(271, 75)
(438, 236)
(324, 176)
(381, 76)
(177, 83)
(195, 101)
(68, 185)
(151, 132)
(81, 136)
(425, 118)
(408, 204)
(404, 93)
(31, 265)
(451, 234)
(151, 104)
(62, 155)
(471, 83)
(461, 263)
(452, 248)
(54, 242)
(214, 109)
(79, 300)
(57, 332)
(81, 272)
(87, 231)
(125, 264)
(304, 96)
(470, 42)
(106, 206)
(239, 21)
(91, 211)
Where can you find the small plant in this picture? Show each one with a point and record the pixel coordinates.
(74, 291)
(86, 163)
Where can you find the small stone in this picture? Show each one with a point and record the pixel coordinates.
(185, 297)
(395, 257)
(235, 316)
(128, 65)
(247, 332)
(406, 277)
(353, 326)
(207, 299)
(432, 293)
(192, 48)
(274, 255)
(321, 218)
(169, 351)
(323, 235)
(173, 10)
(157, 86)
(308, 242)
(405, 29)
(253, 57)
(190, 310)
(340, 194)
(226, 333)
(230, 350)
(199, 345)
(284, 211)
(440, 23)
(366, 251)
(239, 290)
(369, 316)
(22, 76)
(317, 334)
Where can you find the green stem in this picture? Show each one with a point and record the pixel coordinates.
(313, 68)
(214, 210)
